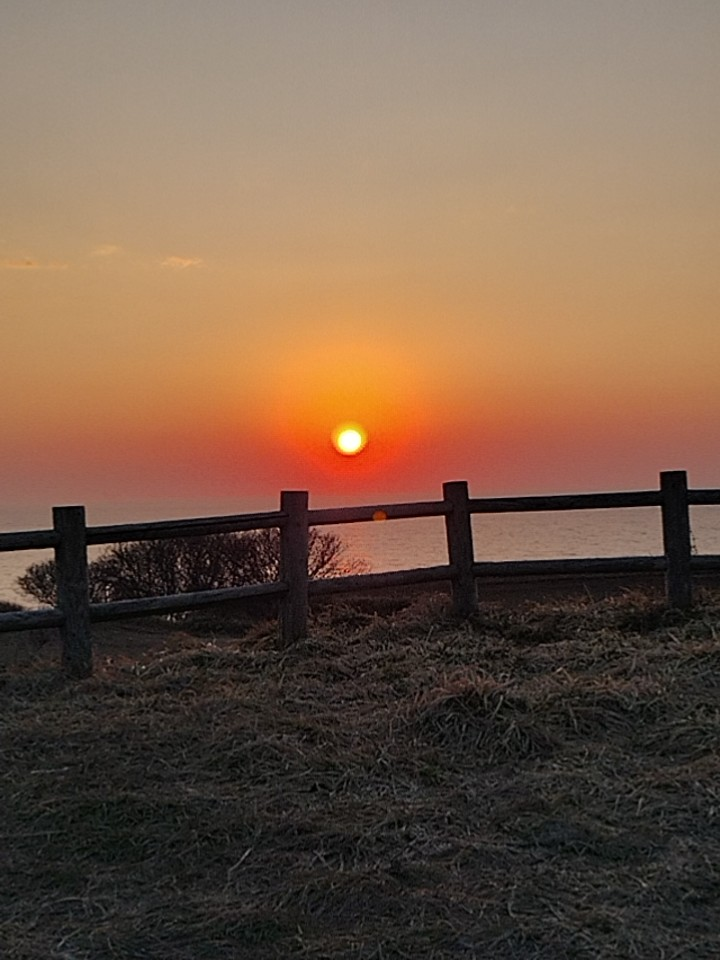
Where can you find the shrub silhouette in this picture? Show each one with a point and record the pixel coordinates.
(183, 565)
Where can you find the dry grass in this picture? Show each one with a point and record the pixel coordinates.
(537, 783)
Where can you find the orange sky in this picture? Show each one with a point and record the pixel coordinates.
(488, 232)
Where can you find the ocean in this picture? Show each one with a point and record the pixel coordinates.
(399, 544)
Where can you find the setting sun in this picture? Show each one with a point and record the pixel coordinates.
(349, 439)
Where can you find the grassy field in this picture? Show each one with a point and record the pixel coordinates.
(542, 782)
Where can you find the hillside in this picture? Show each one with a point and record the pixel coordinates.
(537, 783)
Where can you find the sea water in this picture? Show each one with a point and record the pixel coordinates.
(402, 544)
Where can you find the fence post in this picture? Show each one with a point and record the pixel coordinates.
(458, 530)
(676, 538)
(294, 548)
(71, 572)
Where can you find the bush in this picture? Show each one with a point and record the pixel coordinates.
(184, 565)
(6, 607)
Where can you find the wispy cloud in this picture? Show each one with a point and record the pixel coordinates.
(105, 250)
(182, 263)
(28, 263)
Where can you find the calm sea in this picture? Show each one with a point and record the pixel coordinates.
(398, 544)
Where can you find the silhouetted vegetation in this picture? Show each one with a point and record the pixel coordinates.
(149, 568)
(7, 607)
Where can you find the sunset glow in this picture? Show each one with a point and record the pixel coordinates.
(349, 439)
(489, 238)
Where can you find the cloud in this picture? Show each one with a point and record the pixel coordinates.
(23, 263)
(27, 263)
(105, 250)
(182, 263)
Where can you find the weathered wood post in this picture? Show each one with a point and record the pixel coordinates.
(294, 549)
(458, 530)
(676, 538)
(71, 572)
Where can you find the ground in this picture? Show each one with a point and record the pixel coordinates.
(540, 781)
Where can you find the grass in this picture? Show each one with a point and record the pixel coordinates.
(535, 783)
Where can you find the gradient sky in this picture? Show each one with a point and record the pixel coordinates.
(488, 231)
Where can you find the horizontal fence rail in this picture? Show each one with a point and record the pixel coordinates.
(70, 538)
(580, 501)
(559, 568)
(171, 529)
(699, 498)
(387, 511)
(28, 540)
(178, 602)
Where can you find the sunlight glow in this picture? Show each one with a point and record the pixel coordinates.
(349, 439)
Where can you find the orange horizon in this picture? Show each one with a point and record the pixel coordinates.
(489, 238)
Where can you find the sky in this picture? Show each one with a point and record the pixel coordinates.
(486, 231)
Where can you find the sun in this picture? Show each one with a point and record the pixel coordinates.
(349, 439)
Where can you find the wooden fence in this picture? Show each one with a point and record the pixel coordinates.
(70, 538)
